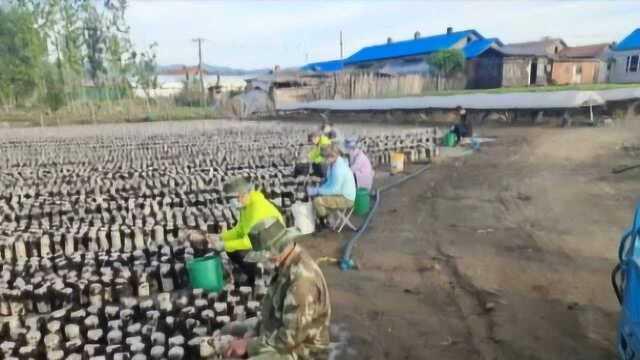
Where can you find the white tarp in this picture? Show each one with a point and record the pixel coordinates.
(620, 94)
(518, 100)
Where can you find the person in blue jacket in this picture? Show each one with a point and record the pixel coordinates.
(339, 189)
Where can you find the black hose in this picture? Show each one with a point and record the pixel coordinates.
(614, 283)
(347, 256)
(625, 168)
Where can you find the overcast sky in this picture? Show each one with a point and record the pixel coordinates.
(257, 34)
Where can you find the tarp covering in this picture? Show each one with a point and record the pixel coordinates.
(519, 100)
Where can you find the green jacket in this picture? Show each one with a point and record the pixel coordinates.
(296, 312)
(315, 155)
(257, 209)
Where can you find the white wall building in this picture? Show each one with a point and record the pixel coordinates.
(625, 57)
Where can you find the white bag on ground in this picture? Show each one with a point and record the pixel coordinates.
(304, 217)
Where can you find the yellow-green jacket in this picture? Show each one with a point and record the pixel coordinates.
(258, 208)
(315, 155)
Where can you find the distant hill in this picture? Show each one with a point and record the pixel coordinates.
(174, 69)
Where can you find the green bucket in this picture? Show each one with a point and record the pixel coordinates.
(450, 139)
(206, 273)
(362, 203)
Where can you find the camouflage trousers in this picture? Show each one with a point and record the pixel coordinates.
(325, 204)
(239, 329)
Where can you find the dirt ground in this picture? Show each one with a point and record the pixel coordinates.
(502, 254)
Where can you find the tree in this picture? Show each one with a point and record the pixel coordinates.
(145, 71)
(118, 43)
(445, 63)
(54, 97)
(95, 43)
(22, 55)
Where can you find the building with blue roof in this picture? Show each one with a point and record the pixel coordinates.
(478, 47)
(324, 66)
(625, 60)
(408, 55)
(414, 50)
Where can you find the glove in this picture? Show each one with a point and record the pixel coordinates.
(312, 191)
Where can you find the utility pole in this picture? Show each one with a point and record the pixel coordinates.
(199, 41)
(340, 44)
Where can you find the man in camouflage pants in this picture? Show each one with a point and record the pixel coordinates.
(296, 311)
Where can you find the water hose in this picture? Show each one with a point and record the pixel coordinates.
(347, 262)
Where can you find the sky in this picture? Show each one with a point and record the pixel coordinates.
(260, 34)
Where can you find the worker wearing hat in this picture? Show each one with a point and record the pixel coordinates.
(296, 312)
(319, 141)
(359, 163)
(331, 132)
(339, 189)
(254, 207)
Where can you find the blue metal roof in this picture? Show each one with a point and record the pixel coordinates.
(325, 66)
(631, 42)
(411, 47)
(479, 46)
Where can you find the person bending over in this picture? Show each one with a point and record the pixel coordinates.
(254, 207)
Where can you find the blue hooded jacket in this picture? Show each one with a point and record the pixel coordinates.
(340, 180)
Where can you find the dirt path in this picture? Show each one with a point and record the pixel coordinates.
(505, 254)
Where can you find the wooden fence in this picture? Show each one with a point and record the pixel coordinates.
(369, 85)
(365, 86)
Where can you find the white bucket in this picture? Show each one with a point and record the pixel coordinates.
(304, 217)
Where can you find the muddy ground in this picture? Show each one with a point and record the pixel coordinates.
(503, 254)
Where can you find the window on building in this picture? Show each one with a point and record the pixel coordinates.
(555, 50)
(578, 69)
(632, 63)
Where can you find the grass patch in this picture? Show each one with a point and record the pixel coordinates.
(126, 110)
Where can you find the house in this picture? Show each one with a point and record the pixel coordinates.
(411, 53)
(581, 65)
(324, 66)
(625, 60)
(530, 63)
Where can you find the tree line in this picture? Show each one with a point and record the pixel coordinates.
(55, 53)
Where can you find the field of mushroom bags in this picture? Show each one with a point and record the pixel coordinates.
(95, 228)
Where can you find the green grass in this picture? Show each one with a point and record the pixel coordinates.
(133, 110)
(550, 88)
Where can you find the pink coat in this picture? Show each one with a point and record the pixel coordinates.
(362, 169)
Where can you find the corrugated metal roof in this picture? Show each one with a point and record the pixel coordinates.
(534, 48)
(630, 42)
(479, 46)
(584, 52)
(324, 66)
(411, 47)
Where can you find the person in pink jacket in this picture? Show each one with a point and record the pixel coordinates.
(359, 164)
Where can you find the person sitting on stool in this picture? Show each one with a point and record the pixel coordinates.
(339, 189)
(254, 208)
(463, 129)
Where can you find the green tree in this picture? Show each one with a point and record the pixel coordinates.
(22, 55)
(54, 97)
(445, 63)
(95, 43)
(145, 73)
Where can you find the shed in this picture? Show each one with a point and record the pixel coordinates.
(581, 65)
